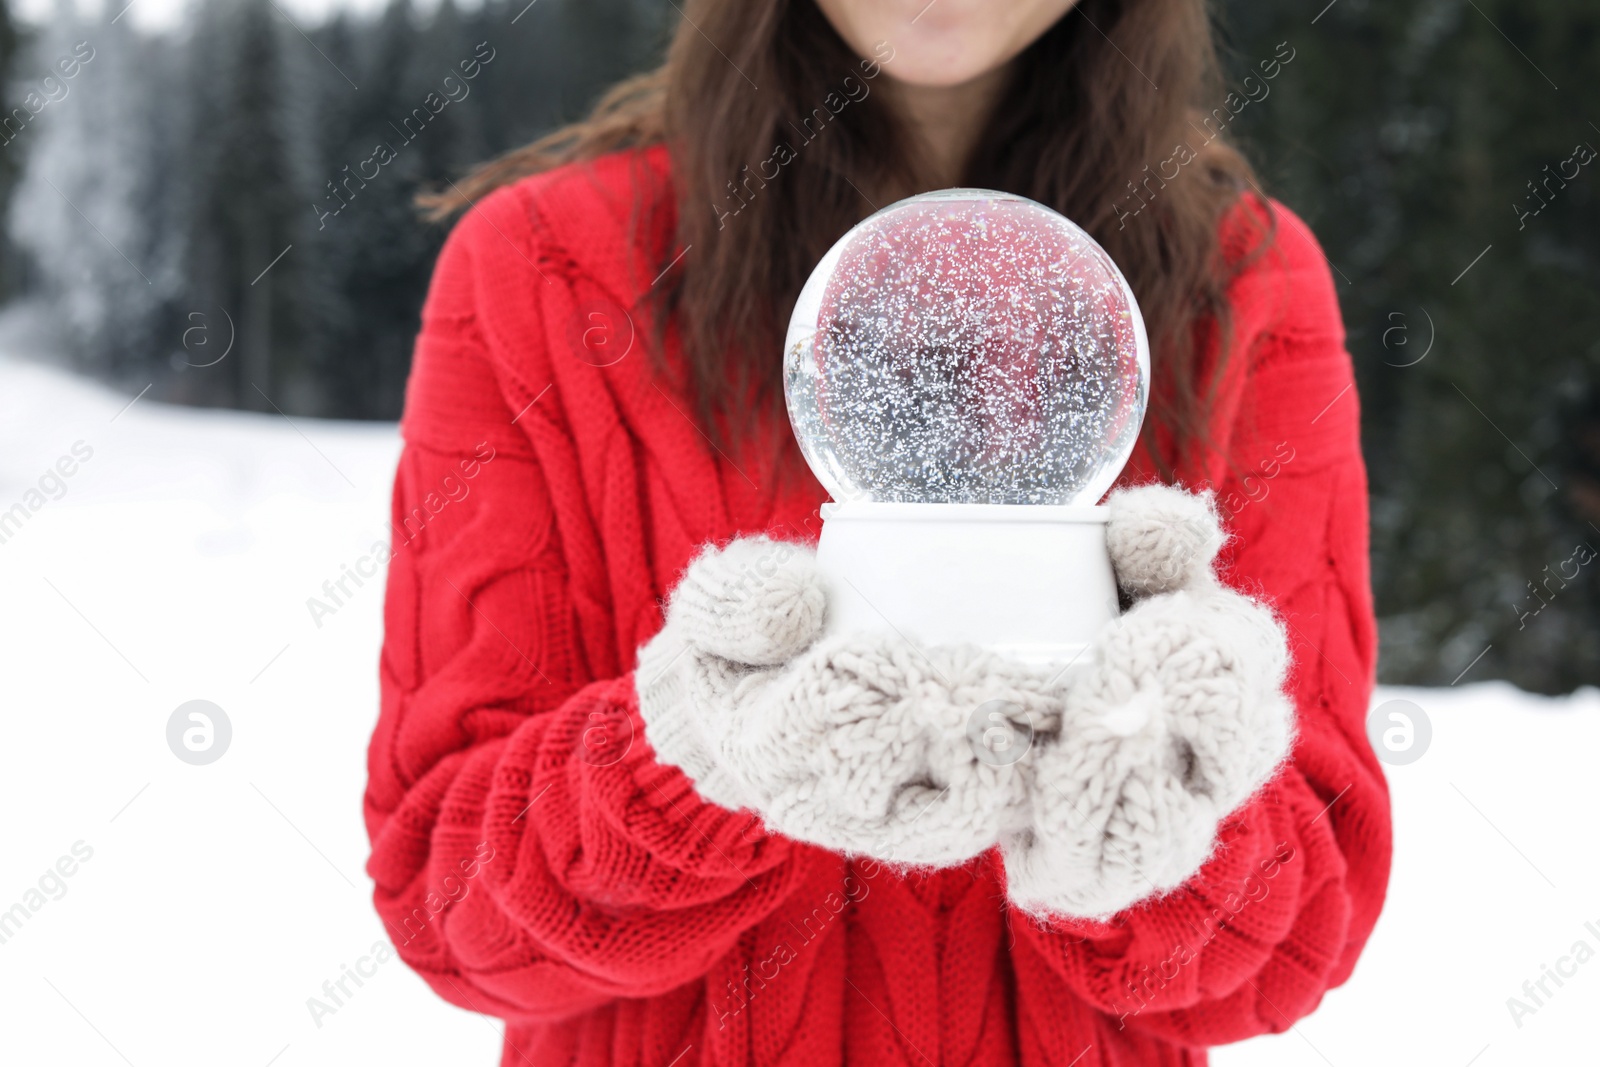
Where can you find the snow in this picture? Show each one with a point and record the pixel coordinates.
(176, 565)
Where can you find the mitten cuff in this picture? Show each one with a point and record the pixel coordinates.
(674, 719)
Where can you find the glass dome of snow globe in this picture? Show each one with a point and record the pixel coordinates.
(967, 346)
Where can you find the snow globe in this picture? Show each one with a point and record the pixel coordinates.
(966, 372)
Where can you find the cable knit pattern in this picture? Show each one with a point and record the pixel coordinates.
(550, 497)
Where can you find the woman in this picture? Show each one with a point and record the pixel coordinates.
(635, 834)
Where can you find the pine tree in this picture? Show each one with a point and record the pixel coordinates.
(378, 253)
(14, 43)
(81, 210)
(241, 254)
(1408, 135)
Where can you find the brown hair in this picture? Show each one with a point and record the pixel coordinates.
(1082, 127)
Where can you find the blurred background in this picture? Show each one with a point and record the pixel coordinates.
(205, 329)
(190, 187)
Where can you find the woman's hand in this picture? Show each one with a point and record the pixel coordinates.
(1178, 718)
(856, 744)
(868, 744)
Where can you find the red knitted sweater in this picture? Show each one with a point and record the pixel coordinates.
(534, 861)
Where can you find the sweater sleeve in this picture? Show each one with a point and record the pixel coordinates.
(1280, 912)
(532, 859)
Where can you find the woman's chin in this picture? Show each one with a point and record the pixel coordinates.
(935, 70)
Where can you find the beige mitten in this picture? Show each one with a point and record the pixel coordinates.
(1177, 720)
(858, 744)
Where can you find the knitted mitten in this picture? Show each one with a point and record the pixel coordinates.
(1179, 718)
(857, 744)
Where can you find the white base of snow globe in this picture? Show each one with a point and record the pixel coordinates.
(1030, 582)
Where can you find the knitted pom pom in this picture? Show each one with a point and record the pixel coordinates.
(754, 601)
(1161, 538)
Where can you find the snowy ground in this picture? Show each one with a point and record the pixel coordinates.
(215, 900)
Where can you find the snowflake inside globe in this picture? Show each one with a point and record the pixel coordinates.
(967, 346)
